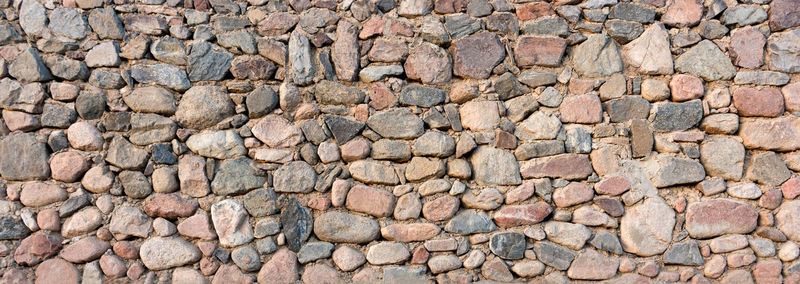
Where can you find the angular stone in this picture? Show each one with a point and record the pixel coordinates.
(231, 223)
(717, 217)
(747, 47)
(302, 71)
(553, 255)
(277, 132)
(28, 67)
(396, 123)
(683, 13)
(541, 51)
(566, 166)
(723, 156)
(508, 245)
(706, 61)
(607, 241)
(476, 55)
(650, 52)
(744, 15)
(236, 177)
(783, 14)
(24, 158)
(429, 63)
(598, 56)
(342, 227)
(417, 95)
(130, 221)
(469, 222)
(208, 62)
(645, 236)
(373, 172)
(296, 221)
(281, 268)
(166, 75)
(581, 109)
(752, 102)
(685, 253)
(494, 166)
(779, 134)
(667, 117)
(329, 92)
(768, 168)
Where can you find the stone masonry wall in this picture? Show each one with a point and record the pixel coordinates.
(399, 141)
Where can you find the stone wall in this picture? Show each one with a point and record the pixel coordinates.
(402, 141)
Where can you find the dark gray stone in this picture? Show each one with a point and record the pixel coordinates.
(313, 251)
(506, 86)
(235, 177)
(58, 116)
(261, 202)
(12, 229)
(676, 116)
(135, 184)
(123, 154)
(554, 255)
(686, 253)
(632, 12)
(554, 26)
(73, 204)
(469, 222)
(246, 258)
(627, 108)
(24, 158)
(208, 62)
(90, 105)
(417, 95)
(166, 75)
(607, 241)
(261, 101)
(343, 129)
(623, 31)
(162, 154)
(106, 23)
(294, 177)
(508, 245)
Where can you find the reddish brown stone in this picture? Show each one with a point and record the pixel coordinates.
(319, 203)
(683, 13)
(252, 68)
(520, 193)
(768, 271)
(449, 6)
(543, 51)
(612, 186)
(68, 166)
(112, 266)
(410, 232)
(791, 188)
(429, 63)
(747, 47)
(38, 194)
(752, 102)
(521, 215)
(56, 270)
(198, 226)
(319, 274)
(592, 265)
(581, 109)
(581, 86)
(381, 97)
(229, 273)
(505, 140)
(373, 26)
(281, 268)
(37, 247)
(610, 205)
(126, 250)
(48, 220)
(355, 149)
(440, 209)
(170, 206)
(566, 166)
(534, 10)
(475, 56)
(420, 255)
(370, 200)
(85, 250)
(771, 199)
(387, 50)
(572, 194)
(717, 217)
(784, 14)
(686, 87)
(791, 97)
(400, 27)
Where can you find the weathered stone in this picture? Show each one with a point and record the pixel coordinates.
(396, 123)
(673, 171)
(342, 227)
(723, 157)
(777, 134)
(685, 253)
(645, 236)
(566, 166)
(231, 223)
(166, 75)
(650, 52)
(236, 177)
(468, 222)
(24, 158)
(203, 106)
(429, 63)
(373, 172)
(767, 168)
(783, 15)
(717, 217)
(475, 56)
(542, 51)
(706, 61)
(592, 265)
(597, 56)
(667, 117)
(494, 166)
(553, 255)
(508, 245)
(159, 253)
(208, 62)
(28, 67)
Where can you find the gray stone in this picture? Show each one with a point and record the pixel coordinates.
(313, 251)
(433, 143)
(159, 253)
(136, 185)
(417, 95)
(125, 155)
(495, 167)
(632, 12)
(377, 73)
(404, 275)
(553, 255)
(723, 156)
(673, 171)
(396, 123)
(208, 62)
(627, 108)
(66, 68)
(623, 31)
(508, 245)
(713, 29)
(744, 15)
(151, 99)
(607, 241)
(330, 92)
(106, 23)
(217, 144)
(148, 128)
(90, 105)
(469, 222)
(68, 23)
(165, 75)
(343, 227)
(460, 25)
(169, 50)
(261, 101)
(24, 158)
(203, 106)
(294, 177)
(246, 258)
(507, 86)
(296, 221)
(668, 117)
(343, 129)
(578, 140)
(706, 61)
(643, 235)
(686, 253)
(597, 56)
(240, 39)
(535, 79)
(28, 67)
(58, 116)
(373, 172)
(12, 228)
(236, 177)
(130, 221)
(783, 51)
(303, 70)
(261, 202)
(761, 78)
(554, 26)
(345, 51)
(32, 17)
(768, 168)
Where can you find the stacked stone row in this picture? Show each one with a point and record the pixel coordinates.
(408, 141)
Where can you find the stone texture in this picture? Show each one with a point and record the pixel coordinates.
(645, 236)
(718, 217)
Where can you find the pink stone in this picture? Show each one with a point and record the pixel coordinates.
(649, 269)
(520, 193)
(534, 10)
(592, 265)
(38, 194)
(355, 149)
(581, 109)
(715, 267)
(406, 233)
(198, 226)
(319, 203)
(420, 255)
(686, 87)
(440, 209)
(192, 176)
(720, 216)
(784, 14)
(768, 271)
(169, 206)
(126, 250)
(683, 13)
(112, 266)
(85, 250)
(68, 166)
(64, 91)
(17, 120)
(429, 63)
(521, 215)
(572, 194)
(370, 200)
(281, 268)
(208, 266)
(228, 274)
(339, 191)
(752, 102)
(373, 26)
(542, 51)
(791, 97)
(771, 199)
(449, 6)
(566, 166)
(381, 97)
(791, 188)
(387, 50)
(320, 274)
(740, 259)
(84, 136)
(48, 220)
(581, 86)
(747, 47)
(56, 270)
(37, 247)
(612, 186)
